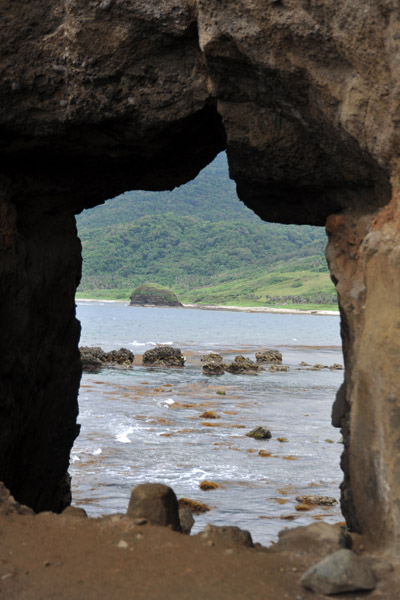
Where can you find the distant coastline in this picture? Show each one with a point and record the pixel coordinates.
(250, 309)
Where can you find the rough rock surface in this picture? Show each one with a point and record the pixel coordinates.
(100, 97)
(268, 356)
(338, 573)
(155, 503)
(243, 366)
(214, 368)
(164, 356)
(259, 433)
(227, 536)
(317, 539)
(94, 358)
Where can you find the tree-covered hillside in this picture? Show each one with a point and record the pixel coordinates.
(203, 243)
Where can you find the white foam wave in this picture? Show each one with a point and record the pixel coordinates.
(75, 458)
(96, 452)
(136, 343)
(123, 436)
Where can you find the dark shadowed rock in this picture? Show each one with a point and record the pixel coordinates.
(227, 535)
(163, 356)
(156, 503)
(9, 506)
(338, 573)
(259, 433)
(186, 519)
(268, 356)
(243, 366)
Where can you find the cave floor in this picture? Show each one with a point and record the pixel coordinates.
(61, 557)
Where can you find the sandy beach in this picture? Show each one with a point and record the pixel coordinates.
(251, 309)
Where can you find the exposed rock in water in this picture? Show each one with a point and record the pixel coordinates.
(227, 535)
(208, 485)
(196, 507)
(268, 356)
(278, 369)
(156, 503)
(152, 294)
(317, 500)
(214, 368)
(243, 366)
(212, 357)
(338, 573)
(94, 358)
(259, 433)
(163, 356)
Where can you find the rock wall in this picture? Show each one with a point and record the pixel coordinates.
(98, 97)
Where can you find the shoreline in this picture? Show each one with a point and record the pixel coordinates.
(249, 309)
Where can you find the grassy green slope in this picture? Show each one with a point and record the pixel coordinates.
(203, 243)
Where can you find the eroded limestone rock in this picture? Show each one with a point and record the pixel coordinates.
(163, 356)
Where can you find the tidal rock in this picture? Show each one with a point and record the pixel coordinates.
(243, 366)
(317, 539)
(259, 433)
(152, 294)
(212, 357)
(163, 356)
(156, 503)
(227, 535)
(186, 519)
(268, 356)
(336, 367)
(317, 500)
(214, 368)
(94, 358)
(208, 485)
(197, 508)
(338, 573)
(278, 369)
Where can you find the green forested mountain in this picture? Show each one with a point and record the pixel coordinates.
(203, 243)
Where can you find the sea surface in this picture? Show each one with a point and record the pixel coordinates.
(146, 425)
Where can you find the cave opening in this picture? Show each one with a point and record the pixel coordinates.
(179, 426)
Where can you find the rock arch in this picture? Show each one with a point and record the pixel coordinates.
(103, 96)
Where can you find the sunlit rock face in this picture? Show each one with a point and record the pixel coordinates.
(104, 96)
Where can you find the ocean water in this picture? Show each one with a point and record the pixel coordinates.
(146, 425)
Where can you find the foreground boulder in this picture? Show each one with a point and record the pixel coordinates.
(269, 356)
(319, 539)
(243, 366)
(164, 356)
(227, 535)
(338, 573)
(152, 294)
(155, 503)
(94, 358)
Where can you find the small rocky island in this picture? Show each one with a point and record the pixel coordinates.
(152, 294)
